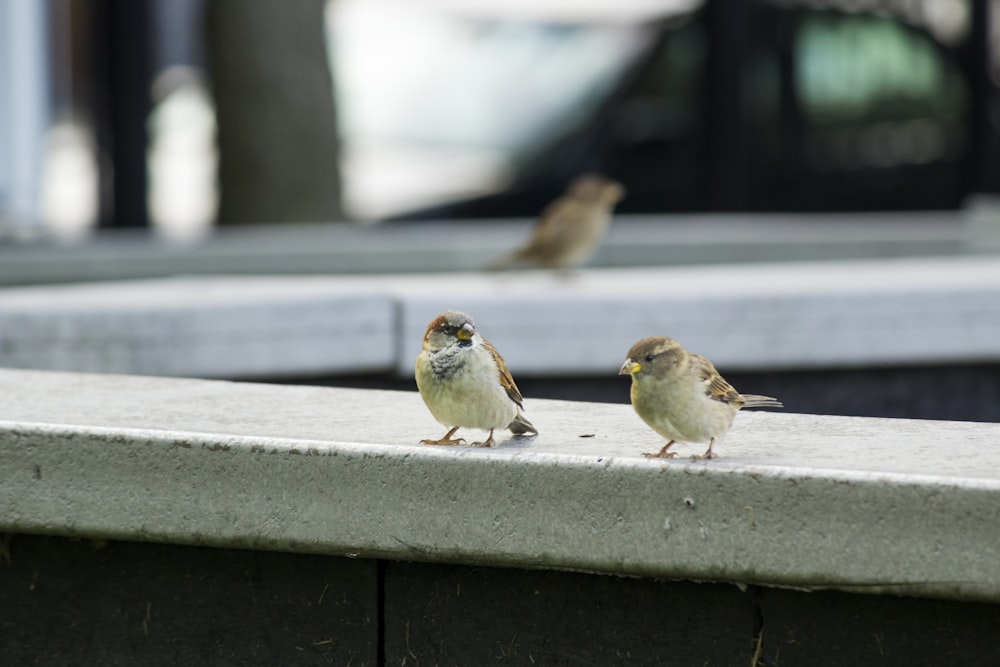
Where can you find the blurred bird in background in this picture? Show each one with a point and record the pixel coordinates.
(570, 228)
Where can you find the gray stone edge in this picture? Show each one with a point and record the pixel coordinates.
(819, 315)
(808, 529)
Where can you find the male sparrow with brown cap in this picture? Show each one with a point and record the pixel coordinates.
(465, 382)
(570, 228)
(681, 395)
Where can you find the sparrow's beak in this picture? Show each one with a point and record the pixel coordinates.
(629, 367)
(466, 332)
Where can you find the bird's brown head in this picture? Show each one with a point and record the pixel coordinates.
(450, 328)
(653, 356)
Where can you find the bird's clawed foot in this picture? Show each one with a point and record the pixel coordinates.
(488, 442)
(663, 453)
(446, 440)
(707, 456)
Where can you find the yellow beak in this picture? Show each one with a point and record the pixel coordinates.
(465, 333)
(630, 368)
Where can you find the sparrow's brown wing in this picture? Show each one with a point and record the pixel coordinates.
(557, 221)
(715, 385)
(505, 378)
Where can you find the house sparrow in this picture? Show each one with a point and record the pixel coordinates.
(570, 228)
(681, 396)
(465, 382)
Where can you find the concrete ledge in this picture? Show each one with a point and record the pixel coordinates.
(761, 316)
(880, 506)
(765, 316)
(467, 245)
(213, 328)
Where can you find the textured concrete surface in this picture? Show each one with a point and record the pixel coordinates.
(750, 316)
(873, 505)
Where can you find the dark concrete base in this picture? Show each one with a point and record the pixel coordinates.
(454, 615)
(65, 601)
(833, 628)
(80, 602)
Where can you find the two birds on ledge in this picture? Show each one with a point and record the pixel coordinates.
(465, 382)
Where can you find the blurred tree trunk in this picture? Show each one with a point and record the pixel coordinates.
(277, 130)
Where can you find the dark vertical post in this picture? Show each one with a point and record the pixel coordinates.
(275, 109)
(984, 134)
(122, 35)
(788, 188)
(727, 151)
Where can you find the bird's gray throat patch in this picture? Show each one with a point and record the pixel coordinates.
(447, 362)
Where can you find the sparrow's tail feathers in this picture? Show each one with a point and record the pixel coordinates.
(507, 261)
(521, 426)
(755, 401)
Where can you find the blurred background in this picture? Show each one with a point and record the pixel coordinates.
(151, 138)
(179, 115)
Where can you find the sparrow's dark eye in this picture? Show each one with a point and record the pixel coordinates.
(650, 357)
(449, 329)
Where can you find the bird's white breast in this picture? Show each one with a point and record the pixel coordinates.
(461, 387)
(677, 413)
